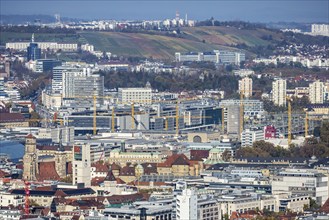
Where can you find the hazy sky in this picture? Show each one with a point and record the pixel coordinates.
(254, 11)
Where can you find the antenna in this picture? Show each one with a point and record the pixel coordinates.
(32, 39)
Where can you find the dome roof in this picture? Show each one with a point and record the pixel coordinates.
(214, 150)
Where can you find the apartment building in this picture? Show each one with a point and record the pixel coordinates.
(279, 92)
(316, 92)
(245, 87)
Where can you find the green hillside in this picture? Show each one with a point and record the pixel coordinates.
(158, 46)
(145, 45)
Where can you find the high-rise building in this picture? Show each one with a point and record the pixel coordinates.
(81, 165)
(187, 205)
(245, 87)
(233, 120)
(316, 92)
(279, 92)
(81, 85)
(33, 50)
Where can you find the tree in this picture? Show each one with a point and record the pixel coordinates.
(324, 133)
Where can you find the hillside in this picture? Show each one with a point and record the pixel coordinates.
(157, 44)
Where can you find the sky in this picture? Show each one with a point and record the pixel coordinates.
(245, 10)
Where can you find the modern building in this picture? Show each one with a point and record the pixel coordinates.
(245, 87)
(233, 120)
(249, 136)
(187, 205)
(46, 65)
(81, 165)
(316, 92)
(21, 46)
(320, 29)
(251, 107)
(230, 57)
(33, 51)
(80, 86)
(302, 181)
(135, 95)
(279, 92)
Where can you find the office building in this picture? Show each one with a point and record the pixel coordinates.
(46, 65)
(251, 107)
(317, 92)
(279, 92)
(187, 205)
(33, 51)
(230, 57)
(249, 136)
(81, 165)
(135, 95)
(302, 182)
(320, 29)
(233, 120)
(245, 87)
(79, 86)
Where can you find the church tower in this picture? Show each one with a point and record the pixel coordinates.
(30, 159)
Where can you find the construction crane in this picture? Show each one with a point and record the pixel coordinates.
(289, 121)
(27, 197)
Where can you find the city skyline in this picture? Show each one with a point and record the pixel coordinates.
(253, 11)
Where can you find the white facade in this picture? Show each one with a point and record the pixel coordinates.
(7, 199)
(135, 95)
(43, 45)
(248, 137)
(245, 87)
(302, 181)
(279, 92)
(320, 29)
(316, 92)
(187, 205)
(81, 165)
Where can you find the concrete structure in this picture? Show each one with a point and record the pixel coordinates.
(135, 95)
(249, 136)
(46, 65)
(279, 92)
(187, 205)
(79, 86)
(81, 165)
(21, 46)
(250, 107)
(317, 90)
(302, 181)
(320, 29)
(230, 57)
(245, 87)
(233, 120)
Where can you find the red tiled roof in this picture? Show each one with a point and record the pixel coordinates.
(100, 167)
(115, 166)
(120, 181)
(127, 171)
(199, 154)
(30, 136)
(175, 159)
(325, 207)
(149, 168)
(60, 193)
(3, 174)
(11, 117)
(47, 171)
(97, 180)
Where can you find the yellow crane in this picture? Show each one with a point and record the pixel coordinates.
(289, 121)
